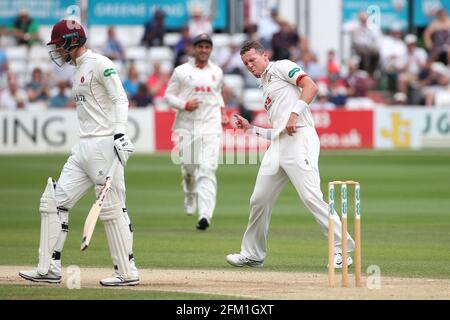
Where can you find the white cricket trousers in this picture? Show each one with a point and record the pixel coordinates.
(199, 162)
(289, 158)
(87, 166)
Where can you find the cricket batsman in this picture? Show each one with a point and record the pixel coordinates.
(102, 109)
(292, 156)
(195, 90)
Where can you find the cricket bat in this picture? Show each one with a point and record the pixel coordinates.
(91, 219)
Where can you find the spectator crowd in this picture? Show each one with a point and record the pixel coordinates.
(386, 67)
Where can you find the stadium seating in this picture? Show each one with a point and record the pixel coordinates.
(22, 61)
(41, 64)
(171, 38)
(18, 67)
(144, 68)
(221, 39)
(136, 53)
(39, 53)
(235, 82)
(160, 54)
(253, 99)
(360, 103)
(45, 32)
(130, 35)
(97, 36)
(442, 98)
(15, 53)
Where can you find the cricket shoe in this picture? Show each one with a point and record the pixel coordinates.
(238, 260)
(202, 224)
(33, 275)
(190, 203)
(118, 280)
(338, 260)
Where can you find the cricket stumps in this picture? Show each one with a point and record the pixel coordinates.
(357, 231)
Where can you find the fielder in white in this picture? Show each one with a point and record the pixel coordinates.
(195, 90)
(102, 108)
(292, 156)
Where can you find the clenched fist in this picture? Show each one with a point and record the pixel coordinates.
(242, 123)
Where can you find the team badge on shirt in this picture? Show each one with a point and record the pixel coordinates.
(267, 103)
(109, 72)
(82, 79)
(293, 72)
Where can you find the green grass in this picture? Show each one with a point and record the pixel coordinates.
(405, 215)
(26, 292)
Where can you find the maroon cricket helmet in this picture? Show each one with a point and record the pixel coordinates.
(67, 35)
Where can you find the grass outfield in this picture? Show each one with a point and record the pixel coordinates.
(45, 292)
(405, 198)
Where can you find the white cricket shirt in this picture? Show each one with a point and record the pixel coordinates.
(281, 92)
(102, 104)
(205, 84)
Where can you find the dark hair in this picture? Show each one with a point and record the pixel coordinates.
(252, 44)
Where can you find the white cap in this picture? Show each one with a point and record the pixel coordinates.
(410, 38)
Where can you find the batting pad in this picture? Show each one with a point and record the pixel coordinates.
(50, 227)
(128, 235)
(118, 235)
(64, 219)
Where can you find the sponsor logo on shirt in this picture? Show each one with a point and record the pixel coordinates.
(293, 72)
(80, 97)
(202, 89)
(109, 72)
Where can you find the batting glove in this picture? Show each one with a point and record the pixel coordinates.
(123, 147)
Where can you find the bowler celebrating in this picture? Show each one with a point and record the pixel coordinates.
(292, 156)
